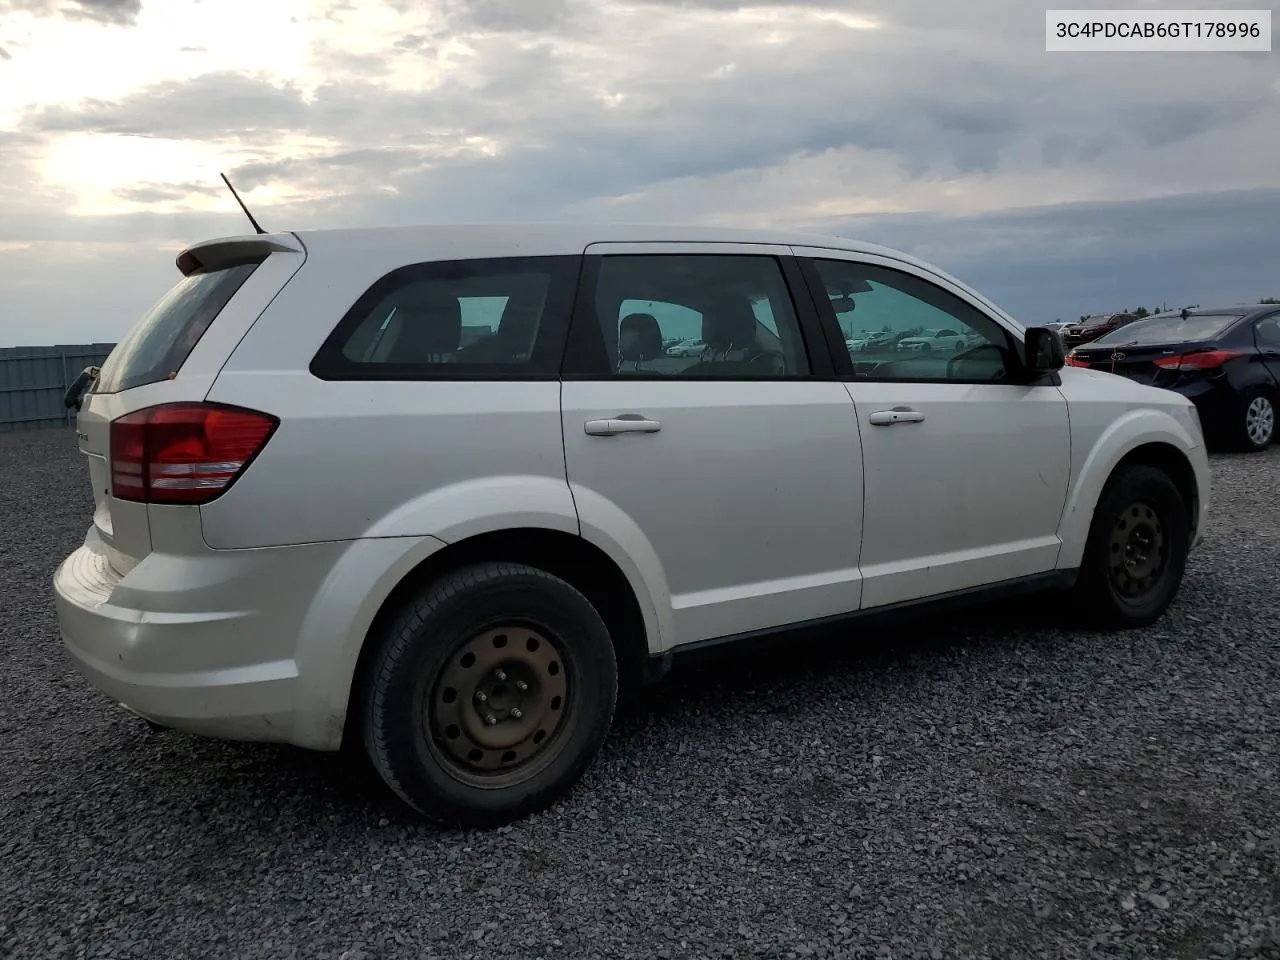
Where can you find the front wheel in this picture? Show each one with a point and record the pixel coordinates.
(490, 694)
(1136, 552)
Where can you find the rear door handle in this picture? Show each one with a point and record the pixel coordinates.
(627, 423)
(887, 418)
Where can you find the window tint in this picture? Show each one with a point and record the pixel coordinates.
(698, 315)
(897, 326)
(159, 344)
(1269, 331)
(503, 317)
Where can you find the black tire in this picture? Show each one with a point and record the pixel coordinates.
(1256, 422)
(1116, 589)
(446, 753)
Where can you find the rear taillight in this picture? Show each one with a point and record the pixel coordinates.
(1074, 361)
(186, 453)
(1205, 360)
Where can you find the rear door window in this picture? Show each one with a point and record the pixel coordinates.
(501, 317)
(159, 344)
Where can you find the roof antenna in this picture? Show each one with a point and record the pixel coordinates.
(256, 226)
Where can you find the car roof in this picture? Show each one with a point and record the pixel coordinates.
(481, 240)
(1232, 310)
(533, 239)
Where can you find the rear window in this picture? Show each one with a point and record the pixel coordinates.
(501, 317)
(1171, 330)
(159, 343)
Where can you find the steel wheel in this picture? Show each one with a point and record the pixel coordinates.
(500, 705)
(1137, 553)
(1260, 421)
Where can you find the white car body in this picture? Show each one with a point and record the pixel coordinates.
(949, 340)
(245, 617)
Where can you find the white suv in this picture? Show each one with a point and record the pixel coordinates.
(436, 491)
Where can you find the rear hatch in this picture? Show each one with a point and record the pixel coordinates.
(1158, 365)
(173, 354)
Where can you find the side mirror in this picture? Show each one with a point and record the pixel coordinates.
(1043, 350)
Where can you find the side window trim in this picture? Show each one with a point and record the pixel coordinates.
(548, 348)
(808, 257)
(586, 356)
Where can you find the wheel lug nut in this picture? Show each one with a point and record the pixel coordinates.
(491, 719)
(521, 686)
(515, 712)
(500, 674)
(481, 696)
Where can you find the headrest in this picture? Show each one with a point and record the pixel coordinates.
(730, 325)
(645, 340)
(430, 323)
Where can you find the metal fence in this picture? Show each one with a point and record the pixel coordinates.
(34, 379)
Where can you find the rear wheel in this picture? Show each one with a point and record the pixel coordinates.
(490, 694)
(1136, 552)
(1257, 423)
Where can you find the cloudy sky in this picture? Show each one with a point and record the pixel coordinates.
(1058, 183)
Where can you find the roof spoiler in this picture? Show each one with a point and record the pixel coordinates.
(229, 251)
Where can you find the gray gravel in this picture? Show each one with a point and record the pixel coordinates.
(992, 786)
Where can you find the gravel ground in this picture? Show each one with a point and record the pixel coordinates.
(993, 786)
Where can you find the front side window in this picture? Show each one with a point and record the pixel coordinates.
(462, 317)
(698, 315)
(897, 326)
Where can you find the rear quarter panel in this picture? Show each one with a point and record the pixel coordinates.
(353, 459)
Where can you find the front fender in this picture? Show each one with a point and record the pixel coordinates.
(1121, 437)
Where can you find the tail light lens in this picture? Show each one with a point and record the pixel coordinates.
(1074, 361)
(1205, 360)
(184, 453)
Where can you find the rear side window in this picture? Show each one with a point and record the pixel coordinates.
(159, 344)
(501, 317)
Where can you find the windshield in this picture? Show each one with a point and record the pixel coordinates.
(1170, 330)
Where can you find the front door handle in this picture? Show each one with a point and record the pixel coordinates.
(887, 418)
(627, 423)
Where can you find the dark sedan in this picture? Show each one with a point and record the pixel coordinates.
(1091, 328)
(1225, 360)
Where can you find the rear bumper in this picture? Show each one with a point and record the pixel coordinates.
(204, 643)
(1218, 406)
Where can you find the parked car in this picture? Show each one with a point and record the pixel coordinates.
(934, 340)
(322, 519)
(1226, 360)
(1091, 328)
(858, 342)
(687, 348)
(885, 340)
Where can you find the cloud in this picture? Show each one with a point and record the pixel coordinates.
(114, 12)
(212, 106)
(508, 15)
(943, 125)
